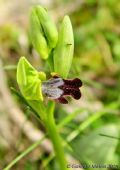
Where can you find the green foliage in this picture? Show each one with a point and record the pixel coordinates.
(103, 146)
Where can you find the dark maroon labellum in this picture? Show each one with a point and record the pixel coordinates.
(57, 88)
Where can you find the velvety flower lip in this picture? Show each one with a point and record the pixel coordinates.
(57, 88)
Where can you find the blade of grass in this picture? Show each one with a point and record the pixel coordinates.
(90, 120)
(28, 150)
(109, 136)
(19, 95)
(10, 67)
(70, 117)
(93, 83)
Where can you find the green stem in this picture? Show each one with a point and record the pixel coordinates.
(55, 138)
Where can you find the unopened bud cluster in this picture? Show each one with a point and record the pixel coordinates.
(48, 41)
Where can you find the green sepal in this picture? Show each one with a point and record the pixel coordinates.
(63, 53)
(48, 26)
(29, 80)
(36, 35)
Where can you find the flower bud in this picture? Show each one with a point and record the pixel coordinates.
(63, 52)
(29, 80)
(48, 26)
(36, 35)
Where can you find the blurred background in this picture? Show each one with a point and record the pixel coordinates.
(96, 26)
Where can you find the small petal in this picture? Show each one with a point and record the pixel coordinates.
(52, 93)
(42, 76)
(54, 82)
